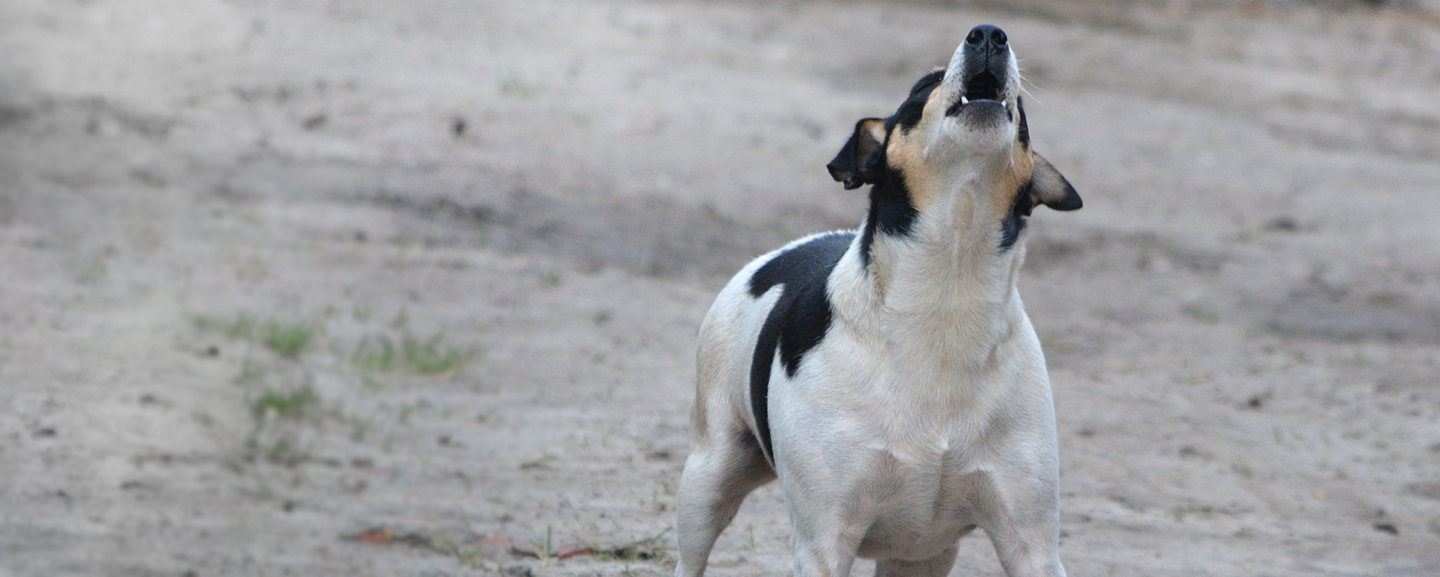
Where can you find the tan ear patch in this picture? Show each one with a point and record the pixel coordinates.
(906, 154)
(906, 151)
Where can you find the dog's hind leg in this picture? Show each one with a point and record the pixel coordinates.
(718, 475)
(937, 566)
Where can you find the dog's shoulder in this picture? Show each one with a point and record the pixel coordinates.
(800, 317)
(803, 262)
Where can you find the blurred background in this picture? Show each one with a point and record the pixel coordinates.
(365, 287)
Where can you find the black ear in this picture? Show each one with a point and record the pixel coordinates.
(1050, 188)
(852, 165)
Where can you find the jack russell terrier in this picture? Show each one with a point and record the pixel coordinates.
(888, 376)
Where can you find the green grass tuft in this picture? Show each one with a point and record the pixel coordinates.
(430, 357)
(292, 405)
(242, 328)
(288, 340)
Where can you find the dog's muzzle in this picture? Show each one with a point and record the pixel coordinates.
(984, 68)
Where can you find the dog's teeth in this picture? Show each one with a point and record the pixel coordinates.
(964, 100)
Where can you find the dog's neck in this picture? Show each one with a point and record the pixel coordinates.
(946, 279)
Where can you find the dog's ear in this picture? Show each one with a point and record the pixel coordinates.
(1050, 188)
(853, 165)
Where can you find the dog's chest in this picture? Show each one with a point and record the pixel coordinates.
(923, 499)
(919, 439)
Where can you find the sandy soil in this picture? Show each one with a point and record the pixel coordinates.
(543, 195)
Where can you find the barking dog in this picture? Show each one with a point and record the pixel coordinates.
(889, 377)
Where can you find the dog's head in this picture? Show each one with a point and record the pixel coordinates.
(961, 131)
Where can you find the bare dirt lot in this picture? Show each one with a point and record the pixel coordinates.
(367, 287)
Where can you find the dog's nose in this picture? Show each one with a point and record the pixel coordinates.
(986, 35)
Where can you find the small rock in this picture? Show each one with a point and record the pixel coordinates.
(314, 121)
(1282, 224)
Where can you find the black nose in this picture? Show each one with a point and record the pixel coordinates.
(986, 34)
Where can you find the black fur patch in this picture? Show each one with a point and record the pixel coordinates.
(798, 322)
(891, 210)
(1024, 126)
(928, 82)
(1014, 222)
(914, 107)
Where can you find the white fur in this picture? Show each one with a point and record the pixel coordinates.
(925, 411)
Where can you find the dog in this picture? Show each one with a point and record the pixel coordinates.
(889, 377)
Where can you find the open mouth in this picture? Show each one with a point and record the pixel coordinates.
(983, 86)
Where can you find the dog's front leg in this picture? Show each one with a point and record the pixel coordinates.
(1028, 558)
(822, 549)
(1025, 527)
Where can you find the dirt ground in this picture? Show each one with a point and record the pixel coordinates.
(365, 287)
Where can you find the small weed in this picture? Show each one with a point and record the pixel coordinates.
(471, 558)
(95, 272)
(432, 357)
(514, 86)
(371, 383)
(1243, 469)
(750, 545)
(288, 340)
(277, 436)
(551, 278)
(242, 328)
(548, 551)
(290, 405)
(282, 451)
(251, 372)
